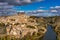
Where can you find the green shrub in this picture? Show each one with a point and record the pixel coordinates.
(12, 19)
(33, 17)
(2, 24)
(29, 26)
(17, 24)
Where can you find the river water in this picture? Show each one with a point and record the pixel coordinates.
(50, 34)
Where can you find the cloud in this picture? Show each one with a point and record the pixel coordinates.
(5, 3)
(21, 11)
(42, 7)
(41, 11)
(35, 11)
(57, 6)
(44, 13)
(52, 7)
(54, 11)
(19, 2)
(27, 1)
(6, 9)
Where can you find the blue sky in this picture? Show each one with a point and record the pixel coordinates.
(34, 6)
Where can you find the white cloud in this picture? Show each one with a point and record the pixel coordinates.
(57, 6)
(42, 7)
(39, 0)
(30, 1)
(28, 11)
(27, 1)
(41, 10)
(19, 2)
(21, 11)
(4, 3)
(36, 0)
(52, 7)
(6, 9)
(54, 11)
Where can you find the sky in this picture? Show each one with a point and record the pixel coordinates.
(45, 5)
(27, 5)
(34, 5)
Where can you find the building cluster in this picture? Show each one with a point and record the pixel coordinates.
(21, 24)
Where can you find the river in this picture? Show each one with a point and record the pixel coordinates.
(50, 34)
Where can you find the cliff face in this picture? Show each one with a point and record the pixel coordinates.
(20, 25)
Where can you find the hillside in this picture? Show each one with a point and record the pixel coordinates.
(31, 27)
